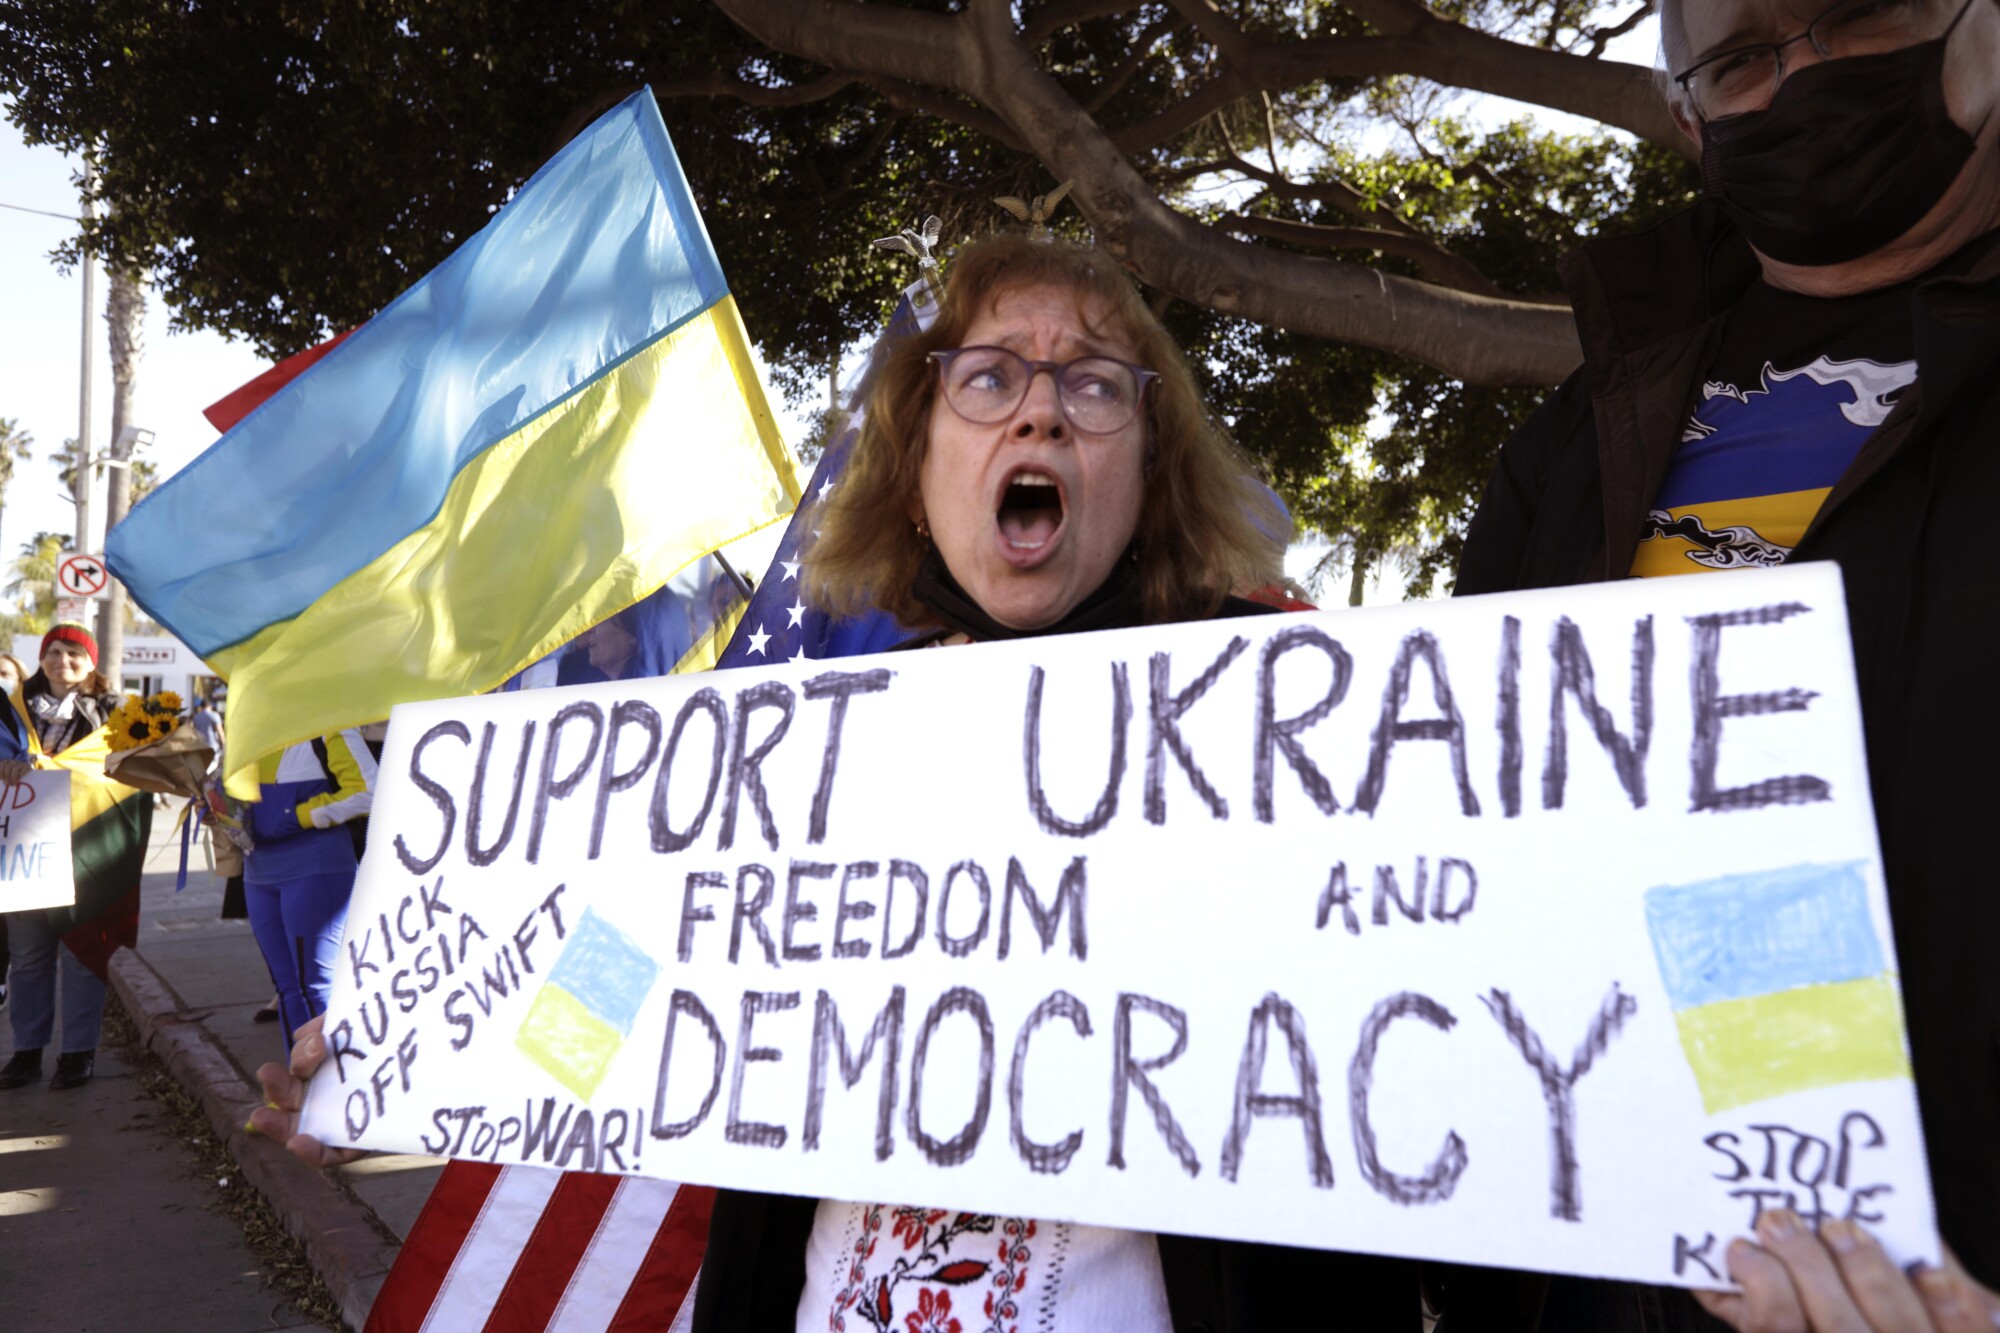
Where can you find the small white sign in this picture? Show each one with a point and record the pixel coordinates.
(34, 843)
(148, 656)
(82, 576)
(1544, 930)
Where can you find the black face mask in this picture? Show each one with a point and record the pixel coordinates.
(1849, 155)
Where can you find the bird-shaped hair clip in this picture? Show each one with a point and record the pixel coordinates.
(1037, 211)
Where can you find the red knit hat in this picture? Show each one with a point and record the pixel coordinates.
(70, 632)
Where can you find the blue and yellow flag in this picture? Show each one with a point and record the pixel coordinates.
(539, 433)
(1778, 982)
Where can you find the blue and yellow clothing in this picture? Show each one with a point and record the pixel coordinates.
(299, 875)
(13, 734)
(1797, 386)
(302, 800)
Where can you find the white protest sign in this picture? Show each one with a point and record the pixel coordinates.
(1543, 930)
(35, 866)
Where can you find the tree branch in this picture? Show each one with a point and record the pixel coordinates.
(978, 54)
(1416, 42)
(1221, 91)
(882, 41)
(1439, 264)
(1222, 34)
(1603, 37)
(1052, 19)
(910, 97)
(1122, 74)
(1609, 91)
(757, 94)
(1338, 194)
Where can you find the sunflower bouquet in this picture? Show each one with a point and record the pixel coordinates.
(137, 722)
(154, 748)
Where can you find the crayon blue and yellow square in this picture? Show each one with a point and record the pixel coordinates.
(582, 1015)
(1778, 982)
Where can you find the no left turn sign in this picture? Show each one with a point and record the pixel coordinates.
(82, 576)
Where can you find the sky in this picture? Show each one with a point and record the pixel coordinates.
(40, 352)
(181, 373)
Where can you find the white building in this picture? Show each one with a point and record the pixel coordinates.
(152, 663)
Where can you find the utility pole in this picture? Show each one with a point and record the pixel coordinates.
(80, 486)
(124, 312)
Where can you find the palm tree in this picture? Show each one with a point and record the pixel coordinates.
(34, 582)
(66, 456)
(145, 476)
(15, 447)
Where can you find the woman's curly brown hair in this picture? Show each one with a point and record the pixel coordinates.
(1206, 527)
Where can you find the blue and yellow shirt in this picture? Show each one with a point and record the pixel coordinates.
(1798, 384)
(305, 792)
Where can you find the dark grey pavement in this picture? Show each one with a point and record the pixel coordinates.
(91, 1185)
(104, 1219)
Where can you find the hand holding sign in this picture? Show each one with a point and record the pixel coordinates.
(1843, 1279)
(284, 1088)
(1248, 928)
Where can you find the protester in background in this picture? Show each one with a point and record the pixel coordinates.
(66, 703)
(373, 735)
(624, 647)
(207, 724)
(13, 745)
(300, 871)
(12, 673)
(1806, 366)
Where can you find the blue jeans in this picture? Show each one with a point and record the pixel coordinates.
(298, 924)
(40, 957)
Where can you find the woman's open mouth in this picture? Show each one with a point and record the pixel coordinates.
(1030, 513)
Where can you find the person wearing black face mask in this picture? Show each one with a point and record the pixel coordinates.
(1806, 366)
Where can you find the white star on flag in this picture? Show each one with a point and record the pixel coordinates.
(807, 633)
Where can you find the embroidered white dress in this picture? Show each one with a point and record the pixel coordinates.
(930, 1270)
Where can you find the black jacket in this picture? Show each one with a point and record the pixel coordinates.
(754, 1270)
(1913, 524)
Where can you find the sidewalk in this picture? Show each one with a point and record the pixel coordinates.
(191, 986)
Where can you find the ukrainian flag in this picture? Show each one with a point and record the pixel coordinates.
(539, 433)
(579, 1020)
(1778, 982)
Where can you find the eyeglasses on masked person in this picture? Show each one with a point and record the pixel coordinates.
(1744, 79)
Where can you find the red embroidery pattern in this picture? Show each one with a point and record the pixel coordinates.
(928, 1268)
(1012, 1275)
(933, 1313)
(857, 1273)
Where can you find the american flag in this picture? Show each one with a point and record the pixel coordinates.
(526, 1249)
(779, 625)
(520, 1248)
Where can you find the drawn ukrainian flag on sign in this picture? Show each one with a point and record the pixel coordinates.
(1777, 982)
(536, 435)
(581, 1016)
